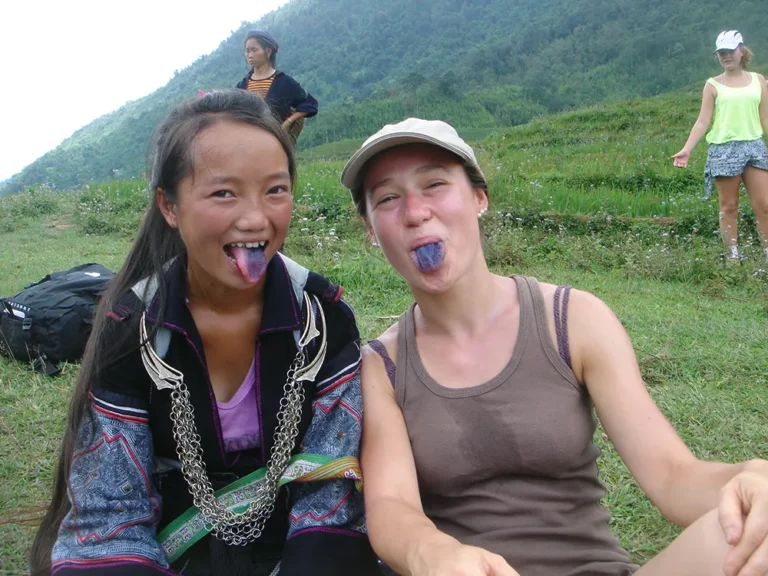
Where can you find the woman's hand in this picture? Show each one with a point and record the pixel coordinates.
(681, 158)
(287, 124)
(743, 514)
(454, 559)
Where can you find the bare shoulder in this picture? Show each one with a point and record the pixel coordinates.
(579, 301)
(588, 319)
(374, 373)
(588, 309)
(547, 290)
(388, 339)
(596, 333)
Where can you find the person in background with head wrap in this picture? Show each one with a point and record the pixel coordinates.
(287, 99)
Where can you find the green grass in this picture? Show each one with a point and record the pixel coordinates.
(699, 328)
(340, 149)
(343, 149)
(609, 158)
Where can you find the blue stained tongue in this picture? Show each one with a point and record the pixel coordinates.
(429, 257)
(251, 262)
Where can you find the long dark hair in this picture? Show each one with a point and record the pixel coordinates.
(156, 244)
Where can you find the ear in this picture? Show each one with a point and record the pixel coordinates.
(481, 199)
(369, 230)
(167, 207)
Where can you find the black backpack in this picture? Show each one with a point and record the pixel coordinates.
(50, 321)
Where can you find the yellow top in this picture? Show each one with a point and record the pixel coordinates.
(261, 87)
(737, 112)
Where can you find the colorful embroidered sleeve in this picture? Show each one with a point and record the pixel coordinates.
(110, 528)
(327, 533)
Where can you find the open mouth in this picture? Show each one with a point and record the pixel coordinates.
(429, 257)
(249, 258)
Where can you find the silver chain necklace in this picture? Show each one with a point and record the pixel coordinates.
(237, 528)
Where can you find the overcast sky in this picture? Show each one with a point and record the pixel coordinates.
(64, 63)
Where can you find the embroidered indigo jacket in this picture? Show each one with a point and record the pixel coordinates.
(125, 485)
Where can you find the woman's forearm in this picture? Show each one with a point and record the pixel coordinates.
(295, 116)
(403, 536)
(697, 133)
(694, 489)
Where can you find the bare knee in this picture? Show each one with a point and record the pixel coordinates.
(729, 209)
(760, 207)
(700, 550)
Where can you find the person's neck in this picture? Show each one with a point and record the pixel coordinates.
(467, 307)
(207, 292)
(734, 74)
(264, 71)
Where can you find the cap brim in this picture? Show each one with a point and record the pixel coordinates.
(359, 159)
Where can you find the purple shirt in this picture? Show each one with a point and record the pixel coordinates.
(239, 416)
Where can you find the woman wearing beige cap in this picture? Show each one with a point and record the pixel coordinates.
(738, 100)
(477, 445)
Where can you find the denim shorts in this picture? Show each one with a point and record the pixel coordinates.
(730, 159)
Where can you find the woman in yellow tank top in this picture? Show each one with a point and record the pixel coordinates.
(738, 100)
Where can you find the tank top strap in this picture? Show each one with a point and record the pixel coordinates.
(560, 359)
(404, 340)
(561, 299)
(527, 292)
(755, 82)
(389, 366)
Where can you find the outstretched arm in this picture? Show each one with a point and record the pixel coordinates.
(683, 487)
(700, 127)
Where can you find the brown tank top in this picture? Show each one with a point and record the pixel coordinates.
(509, 465)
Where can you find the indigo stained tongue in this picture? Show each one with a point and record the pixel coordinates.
(251, 262)
(429, 257)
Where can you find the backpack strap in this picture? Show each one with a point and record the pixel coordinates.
(145, 290)
(298, 275)
(43, 365)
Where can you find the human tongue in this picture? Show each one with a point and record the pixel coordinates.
(429, 257)
(251, 262)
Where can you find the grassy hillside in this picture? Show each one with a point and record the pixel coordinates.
(478, 63)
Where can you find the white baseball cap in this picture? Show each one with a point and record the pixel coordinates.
(729, 40)
(410, 131)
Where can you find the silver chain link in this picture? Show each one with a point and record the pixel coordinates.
(237, 528)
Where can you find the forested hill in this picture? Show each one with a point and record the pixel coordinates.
(476, 63)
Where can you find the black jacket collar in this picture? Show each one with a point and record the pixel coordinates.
(281, 309)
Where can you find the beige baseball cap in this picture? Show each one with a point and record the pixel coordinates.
(410, 131)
